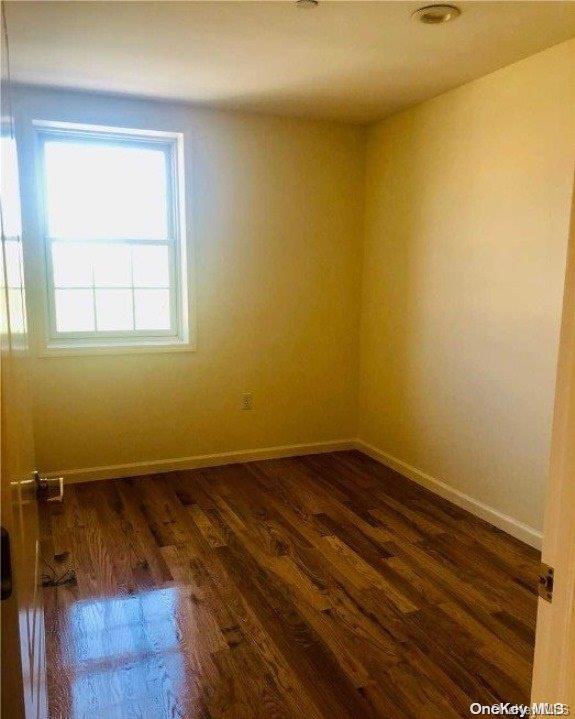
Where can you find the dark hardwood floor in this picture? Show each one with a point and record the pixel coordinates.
(318, 587)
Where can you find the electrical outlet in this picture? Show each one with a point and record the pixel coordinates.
(247, 401)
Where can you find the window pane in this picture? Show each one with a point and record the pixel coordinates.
(112, 266)
(150, 266)
(16, 307)
(72, 265)
(107, 191)
(114, 310)
(74, 311)
(11, 226)
(13, 263)
(152, 309)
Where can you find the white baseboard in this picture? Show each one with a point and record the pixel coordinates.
(508, 524)
(135, 469)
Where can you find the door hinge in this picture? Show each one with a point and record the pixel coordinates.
(545, 586)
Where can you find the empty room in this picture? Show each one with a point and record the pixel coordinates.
(288, 359)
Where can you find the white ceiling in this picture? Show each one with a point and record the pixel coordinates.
(355, 61)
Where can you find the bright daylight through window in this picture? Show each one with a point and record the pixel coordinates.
(114, 237)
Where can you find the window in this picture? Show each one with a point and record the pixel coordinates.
(11, 273)
(114, 237)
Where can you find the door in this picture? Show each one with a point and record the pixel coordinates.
(554, 665)
(23, 663)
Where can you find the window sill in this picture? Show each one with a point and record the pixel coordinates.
(75, 350)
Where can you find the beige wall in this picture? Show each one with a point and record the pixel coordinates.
(463, 236)
(467, 215)
(274, 207)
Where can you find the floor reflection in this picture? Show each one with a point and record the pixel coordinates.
(126, 655)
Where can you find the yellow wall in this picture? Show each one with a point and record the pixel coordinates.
(462, 224)
(467, 213)
(275, 216)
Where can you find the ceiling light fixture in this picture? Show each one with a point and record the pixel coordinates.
(307, 3)
(436, 14)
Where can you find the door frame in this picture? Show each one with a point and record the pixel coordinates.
(554, 661)
(22, 613)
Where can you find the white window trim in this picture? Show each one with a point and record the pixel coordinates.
(181, 337)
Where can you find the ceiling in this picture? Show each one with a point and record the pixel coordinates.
(354, 61)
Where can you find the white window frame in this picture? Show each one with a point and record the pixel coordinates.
(179, 335)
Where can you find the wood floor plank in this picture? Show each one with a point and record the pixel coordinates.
(325, 586)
